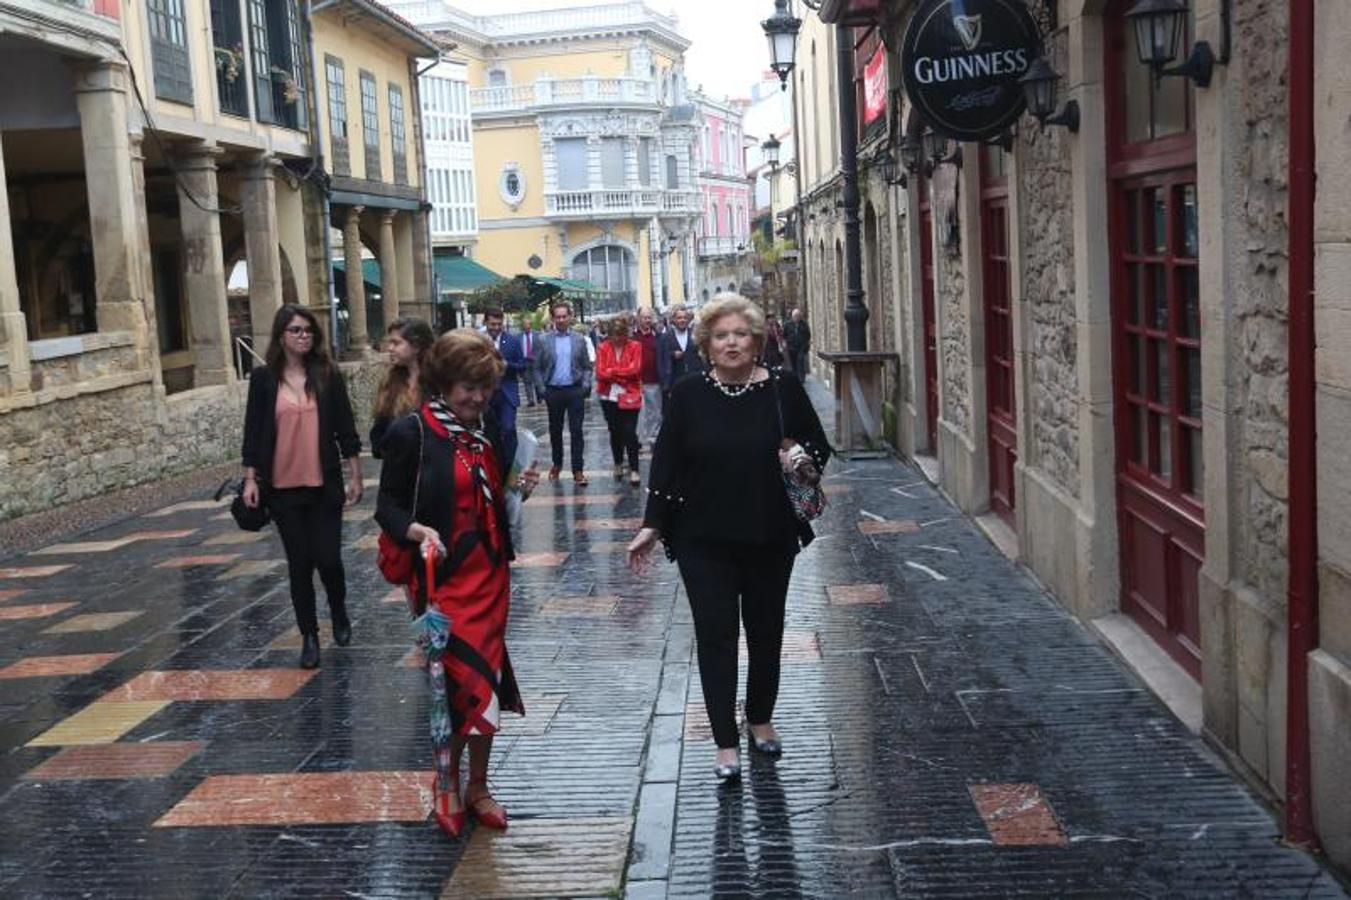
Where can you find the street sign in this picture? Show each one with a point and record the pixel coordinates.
(961, 61)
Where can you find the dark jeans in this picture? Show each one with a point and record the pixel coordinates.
(623, 425)
(309, 520)
(569, 401)
(506, 419)
(719, 578)
(798, 360)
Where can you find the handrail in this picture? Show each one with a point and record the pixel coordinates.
(241, 347)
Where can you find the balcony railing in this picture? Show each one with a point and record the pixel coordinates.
(682, 202)
(232, 84)
(721, 245)
(601, 202)
(562, 92)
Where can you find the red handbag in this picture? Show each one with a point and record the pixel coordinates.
(396, 559)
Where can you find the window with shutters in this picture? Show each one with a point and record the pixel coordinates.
(612, 163)
(370, 125)
(336, 77)
(397, 134)
(571, 157)
(277, 55)
(169, 50)
(261, 61)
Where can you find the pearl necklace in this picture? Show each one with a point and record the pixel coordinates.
(731, 390)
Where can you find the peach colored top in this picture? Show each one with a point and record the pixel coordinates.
(296, 463)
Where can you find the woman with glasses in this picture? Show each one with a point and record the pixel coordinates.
(298, 431)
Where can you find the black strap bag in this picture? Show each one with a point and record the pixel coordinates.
(248, 518)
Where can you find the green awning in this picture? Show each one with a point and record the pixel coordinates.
(370, 272)
(572, 286)
(461, 275)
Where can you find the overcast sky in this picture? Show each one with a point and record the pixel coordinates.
(728, 53)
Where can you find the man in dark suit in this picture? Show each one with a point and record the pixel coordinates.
(677, 354)
(507, 397)
(530, 376)
(797, 335)
(564, 363)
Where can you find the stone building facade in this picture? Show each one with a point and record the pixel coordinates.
(1094, 360)
(161, 145)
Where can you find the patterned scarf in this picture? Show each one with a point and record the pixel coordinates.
(473, 440)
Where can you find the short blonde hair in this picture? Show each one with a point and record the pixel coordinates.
(463, 356)
(720, 307)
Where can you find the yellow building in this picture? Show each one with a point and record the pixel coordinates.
(584, 142)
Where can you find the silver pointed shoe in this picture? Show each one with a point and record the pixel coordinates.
(771, 747)
(728, 772)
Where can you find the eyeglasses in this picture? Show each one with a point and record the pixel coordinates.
(299, 329)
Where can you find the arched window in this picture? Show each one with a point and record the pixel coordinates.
(609, 268)
(672, 173)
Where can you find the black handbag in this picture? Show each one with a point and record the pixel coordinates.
(248, 518)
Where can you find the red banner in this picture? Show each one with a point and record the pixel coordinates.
(875, 86)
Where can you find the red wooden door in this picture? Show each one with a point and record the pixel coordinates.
(1156, 349)
(926, 258)
(1001, 422)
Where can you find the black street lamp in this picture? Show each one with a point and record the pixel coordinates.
(937, 152)
(886, 161)
(771, 150)
(781, 30)
(911, 153)
(1159, 27)
(1039, 87)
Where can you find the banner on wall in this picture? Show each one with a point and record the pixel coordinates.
(961, 61)
(875, 87)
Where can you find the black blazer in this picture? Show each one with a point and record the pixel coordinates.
(394, 508)
(337, 429)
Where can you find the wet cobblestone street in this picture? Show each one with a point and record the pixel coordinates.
(949, 730)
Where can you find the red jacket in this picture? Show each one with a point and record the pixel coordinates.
(623, 369)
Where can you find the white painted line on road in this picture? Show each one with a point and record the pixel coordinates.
(933, 522)
(906, 494)
(886, 686)
(940, 549)
(874, 516)
(926, 570)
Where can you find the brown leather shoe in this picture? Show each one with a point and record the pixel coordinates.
(553, 473)
(580, 479)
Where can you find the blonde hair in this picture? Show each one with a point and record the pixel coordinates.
(463, 356)
(621, 322)
(720, 307)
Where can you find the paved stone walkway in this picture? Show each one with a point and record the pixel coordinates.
(949, 730)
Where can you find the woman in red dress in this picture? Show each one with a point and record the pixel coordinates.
(441, 493)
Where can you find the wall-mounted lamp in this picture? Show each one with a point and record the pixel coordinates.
(912, 153)
(1039, 87)
(938, 150)
(771, 151)
(885, 160)
(1159, 27)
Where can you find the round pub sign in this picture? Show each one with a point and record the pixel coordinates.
(961, 61)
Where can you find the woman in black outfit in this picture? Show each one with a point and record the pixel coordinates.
(297, 423)
(716, 497)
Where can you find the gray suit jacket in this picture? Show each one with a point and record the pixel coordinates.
(545, 359)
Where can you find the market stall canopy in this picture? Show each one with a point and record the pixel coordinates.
(462, 275)
(370, 273)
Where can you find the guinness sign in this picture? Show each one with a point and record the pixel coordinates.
(961, 61)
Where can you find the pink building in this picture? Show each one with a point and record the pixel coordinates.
(723, 233)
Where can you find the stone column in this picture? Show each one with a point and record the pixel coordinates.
(424, 303)
(356, 285)
(150, 353)
(13, 325)
(101, 99)
(389, 267)
(658, 262)
(204, 265)
(262, 242)
(403, 257)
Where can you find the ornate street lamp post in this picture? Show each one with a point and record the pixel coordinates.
(781, 30)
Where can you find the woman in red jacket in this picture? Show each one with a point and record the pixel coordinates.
(619, 379)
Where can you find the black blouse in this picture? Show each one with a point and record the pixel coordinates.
(715, 471)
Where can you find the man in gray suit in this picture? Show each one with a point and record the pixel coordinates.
(566, 369)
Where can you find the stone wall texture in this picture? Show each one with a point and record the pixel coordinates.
(81, 447)
(954, 339)
(1046, 244)
(1258, 299)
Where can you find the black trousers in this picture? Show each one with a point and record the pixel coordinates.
(567, 401)
(309, 520)
(623, 425)
(724, 583)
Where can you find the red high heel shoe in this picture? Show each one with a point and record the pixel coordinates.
(452, 823)
(487, 811)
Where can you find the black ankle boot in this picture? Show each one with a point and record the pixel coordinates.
(309, 651)
(342, 632)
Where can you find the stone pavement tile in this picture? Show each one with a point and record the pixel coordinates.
(663, 749)
(798, 647)
(251, 568)
(220, 684)
(836, 490)
(644, 890)
(11, 593)
(105, 621)
(154, 759)
(169, 535)
(539, 560)
(540, 712)
(33, 610)
(101, 722)
(855, 594)
(42, 666)
(188, 505)
(231, 538)
(605, 547)
(183, 562)
(541, 500)
(366, 542)
(1017, 814)
(650, 857)
(31, 571)
(899, 526)
(84, 547)
(307, 798)
(630, 524)
(579, 607)
(581, 857)
(394, 595)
